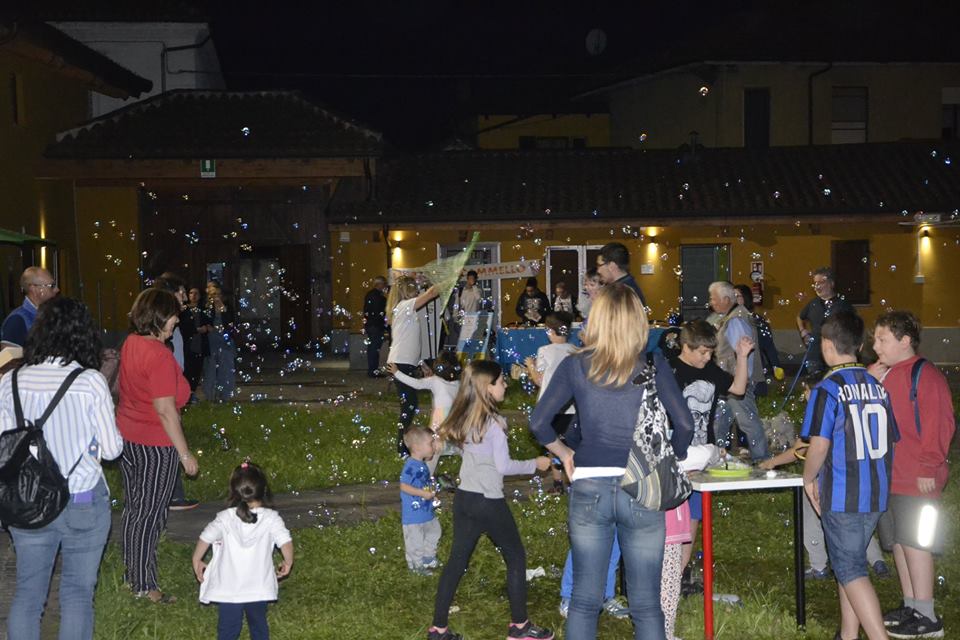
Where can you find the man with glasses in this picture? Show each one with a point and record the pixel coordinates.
(37, 286)
(613, 265)
(826, 304)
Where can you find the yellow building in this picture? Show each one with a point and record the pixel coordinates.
(46, 79)
(881, 215)
(543, 131)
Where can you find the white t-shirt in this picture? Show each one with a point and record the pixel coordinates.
(470, 299)
(549, 358)
(405, 333)
(443, 392)
(241, 569)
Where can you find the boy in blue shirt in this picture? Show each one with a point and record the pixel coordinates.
(850, 425)
(421, 529)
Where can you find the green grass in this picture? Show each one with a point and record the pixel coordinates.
(352, 582)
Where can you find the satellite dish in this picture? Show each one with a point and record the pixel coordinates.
(596, 41)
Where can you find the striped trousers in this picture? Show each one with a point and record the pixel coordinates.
(148, 477)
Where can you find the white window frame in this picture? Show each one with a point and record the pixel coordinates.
(494, 248)
(582, 265)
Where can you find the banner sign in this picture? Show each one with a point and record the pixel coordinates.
(498, 271)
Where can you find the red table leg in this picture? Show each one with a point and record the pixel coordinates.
(707, 567)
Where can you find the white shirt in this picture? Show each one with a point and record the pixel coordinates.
(82, 427)
(470, 299)
(442, 391)
(549, 358)
(405, 333)
(241, 569)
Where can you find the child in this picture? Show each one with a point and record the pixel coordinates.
(240, 577)
(591, 284)
(443, 383)
(562, 300)
(813, 540)
(541, 370)
(849, 422)
(479, 507)
(702, 381)
(421, 529)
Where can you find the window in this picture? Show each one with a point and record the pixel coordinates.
(756, 118)
(851, 267)
(849, 115)
(568, 264)
(16, 99)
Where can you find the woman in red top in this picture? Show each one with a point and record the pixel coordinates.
(152, 390)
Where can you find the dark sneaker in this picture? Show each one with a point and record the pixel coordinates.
(898, 615)
(880, 569)
(446, 483)
(529, 631)
(817, 574)
(917, 626)
(433, 634)
(183, 504)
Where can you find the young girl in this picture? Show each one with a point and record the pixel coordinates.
(443, 383)
(403, 315)
(240, 577)
(479, 507)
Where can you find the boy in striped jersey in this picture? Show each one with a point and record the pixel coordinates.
(849, 422)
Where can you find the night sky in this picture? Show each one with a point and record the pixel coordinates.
(417, 70)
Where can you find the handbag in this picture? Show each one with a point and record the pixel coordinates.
(653, 476)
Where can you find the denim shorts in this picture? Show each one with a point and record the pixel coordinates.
(847, 536)
(696, 505)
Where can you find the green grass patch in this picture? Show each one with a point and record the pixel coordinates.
(352, 581)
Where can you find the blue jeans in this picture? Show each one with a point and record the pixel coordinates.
(219, 369)
(598, 509)
(80, 533)
(231, 620)
(566, 582)
(744, 411)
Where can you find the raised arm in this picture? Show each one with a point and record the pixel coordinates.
(426, 297)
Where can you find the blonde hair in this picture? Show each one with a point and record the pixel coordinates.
(615, 336)
(473, 406)
(404, 288)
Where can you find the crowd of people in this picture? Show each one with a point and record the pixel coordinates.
(873, 443)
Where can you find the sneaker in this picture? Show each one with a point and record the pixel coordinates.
(433, 634)
(430, 563)
(446, 483)
(917, 626)
(529, 631)
(183, 504)
(898, 615)
(564, 607)
(817, 574)
(616, 609)
(690, 587)
(421, 570)
(557, 488)
(880, 569)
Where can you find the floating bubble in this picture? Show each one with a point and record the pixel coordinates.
(643, 137)
(893, 268)
(827, 192)
(245, 131)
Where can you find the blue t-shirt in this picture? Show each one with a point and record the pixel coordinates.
(414, 509)
(851, 409)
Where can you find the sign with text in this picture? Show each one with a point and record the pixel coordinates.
(497, 271)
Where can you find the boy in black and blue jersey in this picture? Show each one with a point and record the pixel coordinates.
(849, 422)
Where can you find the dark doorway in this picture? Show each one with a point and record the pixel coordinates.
(756, 118)
(702, 265)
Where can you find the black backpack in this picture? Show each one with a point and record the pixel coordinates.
(33, 491)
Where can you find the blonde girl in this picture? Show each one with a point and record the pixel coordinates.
(403, 315)
(475, 425)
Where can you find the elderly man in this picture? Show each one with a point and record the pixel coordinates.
(613, 265)
(816, 312)
(37, 286)
(736, 322)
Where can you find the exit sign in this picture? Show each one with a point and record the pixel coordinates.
(208, 168)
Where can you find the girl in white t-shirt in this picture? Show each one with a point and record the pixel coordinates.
(403, 315)
(443, 382)
(241, 577)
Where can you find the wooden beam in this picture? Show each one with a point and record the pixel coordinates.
(135, 170)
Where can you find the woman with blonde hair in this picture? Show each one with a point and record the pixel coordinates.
(403, 315)
(602, 380)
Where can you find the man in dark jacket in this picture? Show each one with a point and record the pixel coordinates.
(375, 323)
(613, 265)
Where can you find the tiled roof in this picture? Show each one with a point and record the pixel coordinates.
(515, 186)
(218, 124)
